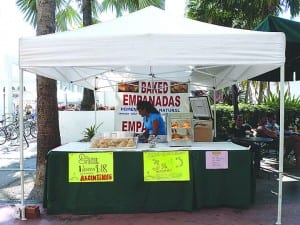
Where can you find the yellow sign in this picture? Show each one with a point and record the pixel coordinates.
(166, 166)
(91, 167)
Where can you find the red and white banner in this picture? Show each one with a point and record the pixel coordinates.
(166, 96)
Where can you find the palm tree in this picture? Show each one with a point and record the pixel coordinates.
(88, 99)
(44, 15)
(65, 14)
(48, 136)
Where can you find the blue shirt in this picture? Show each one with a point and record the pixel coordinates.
(153, 117)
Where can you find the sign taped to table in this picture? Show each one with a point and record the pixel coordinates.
(91, 167)
(216, 159)
(166, 166)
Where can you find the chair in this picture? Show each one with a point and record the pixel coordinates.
(266, 147)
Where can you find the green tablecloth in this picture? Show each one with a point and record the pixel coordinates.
(128, 193)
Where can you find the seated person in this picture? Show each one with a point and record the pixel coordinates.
(271, 123)
(291, 142)
(239, 130)
(263, 130)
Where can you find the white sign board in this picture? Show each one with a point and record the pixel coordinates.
(166, 96)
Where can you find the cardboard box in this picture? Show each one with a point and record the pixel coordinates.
(203, 131)
(32, 212)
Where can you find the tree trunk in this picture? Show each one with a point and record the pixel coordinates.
(247, 95)
(235, 100)
(260, 92)
(88, 99)
(48, 136)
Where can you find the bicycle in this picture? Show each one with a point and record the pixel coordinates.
(11, 132)
(8, 132)
(30, 128)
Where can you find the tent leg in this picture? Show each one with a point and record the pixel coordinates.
(281, 146)
(215, 111)
(21, 127)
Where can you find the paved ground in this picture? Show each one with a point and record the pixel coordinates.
(262, 212)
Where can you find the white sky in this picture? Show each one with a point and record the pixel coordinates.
(13, 27)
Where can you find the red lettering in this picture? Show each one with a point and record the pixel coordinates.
(131, 126)
(156, 100)
(165, 101)
(154, 87)
(143, 87)
(125, 99)
(177, 99)
(165, 87)
(171, 101)
(106, 177)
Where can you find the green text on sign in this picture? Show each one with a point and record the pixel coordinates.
(166, 166)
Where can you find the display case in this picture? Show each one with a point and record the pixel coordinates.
(179, 129)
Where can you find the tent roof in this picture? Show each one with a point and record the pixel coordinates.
(292, 32)
(151, 44)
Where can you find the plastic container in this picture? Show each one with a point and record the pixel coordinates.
(152, 141)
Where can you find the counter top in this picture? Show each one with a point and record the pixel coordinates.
(200, 146)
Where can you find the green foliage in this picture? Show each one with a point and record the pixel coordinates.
(290, 102)
(90, 132)
(65, 13)
(251, 113)
(129, 5)
(240, 14)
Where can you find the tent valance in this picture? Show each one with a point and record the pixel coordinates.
(149, 42)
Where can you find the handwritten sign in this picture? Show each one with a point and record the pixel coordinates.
(216, 159)
(91, 167)
(166, 166)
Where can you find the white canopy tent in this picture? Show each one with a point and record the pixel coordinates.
(150, 44)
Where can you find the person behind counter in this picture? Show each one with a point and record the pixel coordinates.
(152, 119)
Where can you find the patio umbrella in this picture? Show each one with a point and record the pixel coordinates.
(292, 52)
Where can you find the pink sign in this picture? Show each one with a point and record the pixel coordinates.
(216, 159)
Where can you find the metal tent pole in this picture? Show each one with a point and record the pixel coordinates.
(21, 138)
(281, 145)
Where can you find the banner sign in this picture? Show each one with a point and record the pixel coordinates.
(166, 96)
(91, 167)
(166, 166)
(216, 159)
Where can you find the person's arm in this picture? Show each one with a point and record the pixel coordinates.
(267, 132)
(155, 127)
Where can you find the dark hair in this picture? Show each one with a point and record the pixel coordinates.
(148, 106)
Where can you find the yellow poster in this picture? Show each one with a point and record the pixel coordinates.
(91, 167)
(166, 166)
